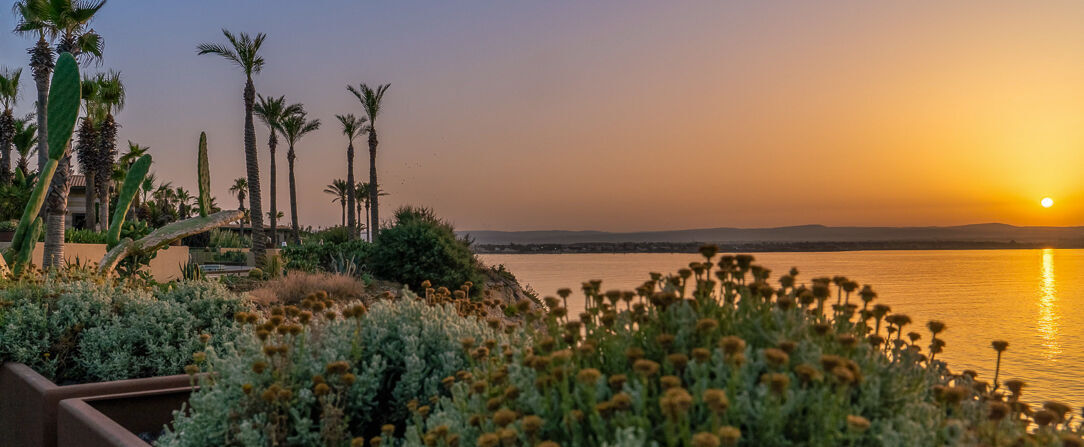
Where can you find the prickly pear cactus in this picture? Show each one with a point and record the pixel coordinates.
(204, 177)
(63, 110)
(127, 193)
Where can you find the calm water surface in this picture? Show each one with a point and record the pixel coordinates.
(1032, 298)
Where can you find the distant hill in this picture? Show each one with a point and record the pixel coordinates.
(989, 232)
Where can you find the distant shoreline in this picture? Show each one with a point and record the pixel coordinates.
(755, 247)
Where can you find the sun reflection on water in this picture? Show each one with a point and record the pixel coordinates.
(1048, 310)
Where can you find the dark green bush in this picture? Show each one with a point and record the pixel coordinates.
(319, 256)
(83, 236)
(421, 247)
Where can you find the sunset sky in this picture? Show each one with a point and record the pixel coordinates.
(632, 115)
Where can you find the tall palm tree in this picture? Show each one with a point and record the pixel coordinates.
(352, 127)
(362, 191)
(111, 95)
(9, 96)
(25, 138)
(67, 23)
(271, 111)
(240, 189)
(184, 202)
(370, 101)
(87, 146)
(293, 128)
(338, 189)
(243, 51)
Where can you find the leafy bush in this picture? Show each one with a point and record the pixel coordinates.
(420, 247)
(333, 235)
(8, 225)
(320, 256)
(83, 236)
(218, 238)
(687, 360)
(325, 381)
(87, 331)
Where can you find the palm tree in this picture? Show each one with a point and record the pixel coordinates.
(352, 127)
(240, 189)
(339, 190)
(87, 147)
(25, 138)
(184, 202)
(370, 101)
(243, 51)
(146, 188)
(293, 128)
(111, 96)
(66, 22)
(271, 111)
(362, 191)
(9, 96)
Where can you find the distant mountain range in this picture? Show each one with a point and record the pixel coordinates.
(989, 232)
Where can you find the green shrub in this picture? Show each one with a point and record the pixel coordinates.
(85, 331)
(690, 361)
(218, 238)
(333, 235)
(256, 273)
(83, 236)
(331, 381)
(8, 225)
(320, 256)
(420, 247)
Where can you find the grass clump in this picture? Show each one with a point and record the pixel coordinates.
(295, 286)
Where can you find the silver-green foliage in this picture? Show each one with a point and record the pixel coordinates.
(398, 351)
(85, 331)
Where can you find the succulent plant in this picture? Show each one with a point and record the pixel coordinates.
(63, 110)
(127, 193)
(204, 177)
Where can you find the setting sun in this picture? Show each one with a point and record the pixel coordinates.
(1047, 202)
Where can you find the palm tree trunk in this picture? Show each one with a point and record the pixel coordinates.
(91, 212)
(350, 199)
(252, 166)
(107, 153)
(272, 142)
(56, 203)
(373, 186)
(241, 206)
(293, 196)
(7, 132)
(343, 215)
(368, 228)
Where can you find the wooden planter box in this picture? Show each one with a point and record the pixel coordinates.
(116, 420)
(29, 401)
(6, 236)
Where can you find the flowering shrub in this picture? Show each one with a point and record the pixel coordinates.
(86, 330)
(717, 356)
(319, 374)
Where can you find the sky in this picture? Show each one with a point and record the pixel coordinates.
(631, 115)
